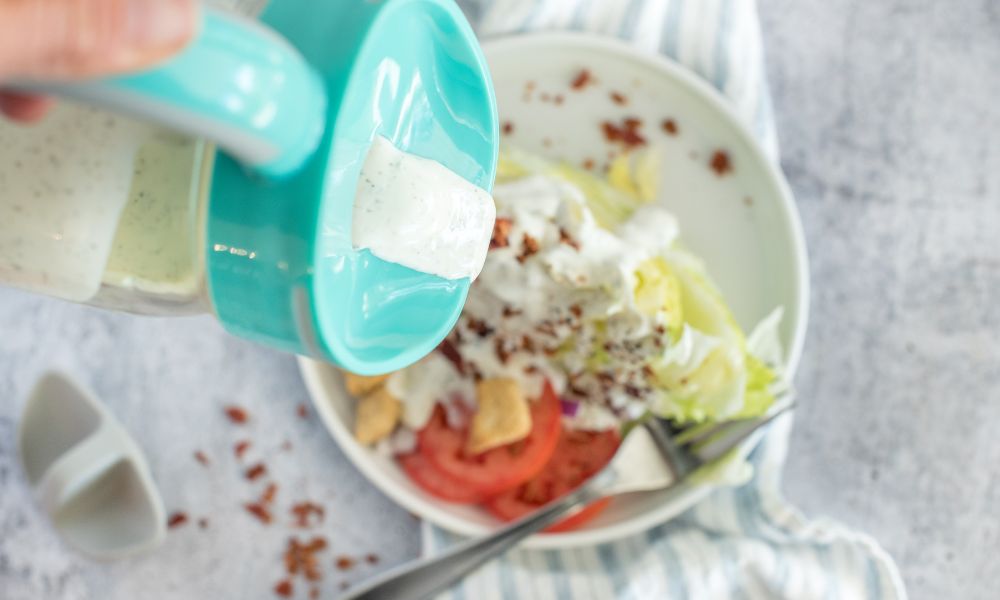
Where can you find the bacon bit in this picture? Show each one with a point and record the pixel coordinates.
(260, 511)
(256, 471)
(501, 230)
(344, 562)
(528, 249)
(669, 126)
(304, 510)
(619, 98)
(240, 448)
(449, 351)
(302, 410)
(177, 519)
(527, 344)
(203, 523)
(502, 352)
(301, 558)
(566, 238)
(237, 414)
(371, 559)
(588, 164)
(269, 493)
(558, 99)
(531, 369)
(480, 327)
(576, 311)
(633, 391)
(647, 371)
(627, 133)
(201, 457)
(509, 311)
(508, 128)
(720, 163)
(582, 79)
(284, 588)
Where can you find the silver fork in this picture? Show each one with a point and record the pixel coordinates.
(651, 457)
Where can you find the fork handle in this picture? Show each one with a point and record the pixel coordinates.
(422, 579)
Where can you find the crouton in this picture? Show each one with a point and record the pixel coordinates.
(503, 415)
(360, 385)
(376, 416)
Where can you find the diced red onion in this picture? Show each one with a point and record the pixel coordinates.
(569, 408)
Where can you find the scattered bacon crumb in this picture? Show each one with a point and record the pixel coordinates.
(669, 126)
(256, 471)
(177, 519)
(576, 310)
(201, 457)
(237, 414)
(303, 411)
(269, 493)
(529, 247)
(371, 559)
(627, 133)
(588, 164)
(501, 229)
(240, 448)
(720, 163)
(566, 238)
(510, 311)
(260, 511)
(203, 523)
(304, 510)
(582, 79)
(284, 588)
(508, 128)
(301, 558)
(501, 350)
(480, 327)
(619, 98)
(527, 344)
(344, 562)
(448, 350)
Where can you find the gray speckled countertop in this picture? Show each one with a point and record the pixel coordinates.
(888, 113)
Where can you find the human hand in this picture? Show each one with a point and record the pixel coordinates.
(60, 40)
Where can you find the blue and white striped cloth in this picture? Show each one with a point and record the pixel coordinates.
(737, 543)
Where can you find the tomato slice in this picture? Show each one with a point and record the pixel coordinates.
(500, 469)
(432, 481)
(578, 456)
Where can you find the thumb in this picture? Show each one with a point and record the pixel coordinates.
(69, 39)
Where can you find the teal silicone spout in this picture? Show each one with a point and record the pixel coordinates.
(293, 103)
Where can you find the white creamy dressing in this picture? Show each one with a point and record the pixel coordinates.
(559, 283)
(414, 212)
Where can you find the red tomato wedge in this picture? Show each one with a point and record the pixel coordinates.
(500, 469)
(579, 455)
(432, 481)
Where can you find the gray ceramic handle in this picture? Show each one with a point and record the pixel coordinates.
(424, 578)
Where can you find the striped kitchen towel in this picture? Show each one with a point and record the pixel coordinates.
(741, 542)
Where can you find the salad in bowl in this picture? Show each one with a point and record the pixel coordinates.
(588, 314)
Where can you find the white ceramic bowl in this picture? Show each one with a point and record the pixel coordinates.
(744, 225)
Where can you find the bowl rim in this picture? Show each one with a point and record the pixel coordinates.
(687, 495)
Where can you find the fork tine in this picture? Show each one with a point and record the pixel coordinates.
(729, 435)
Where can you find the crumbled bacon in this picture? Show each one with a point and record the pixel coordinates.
(582, 79)
(256, 471)
(529, 247)
(480, 327)
(344, 562)
(627, 133)
(301, 558)
(619, 98)
(508, 128)
(201, 457)
(302, 410)
(501, 230)
(566, 238)
(177, 519)
(284, 588)
(720, 163)
(509, 311)
(237, 414)
(304, 511)
(260, 511)
(240, 448)
(669, 126)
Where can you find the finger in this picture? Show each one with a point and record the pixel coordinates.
(68, 39)
(26, 108)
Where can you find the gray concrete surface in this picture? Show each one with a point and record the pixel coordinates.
(888, 113)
